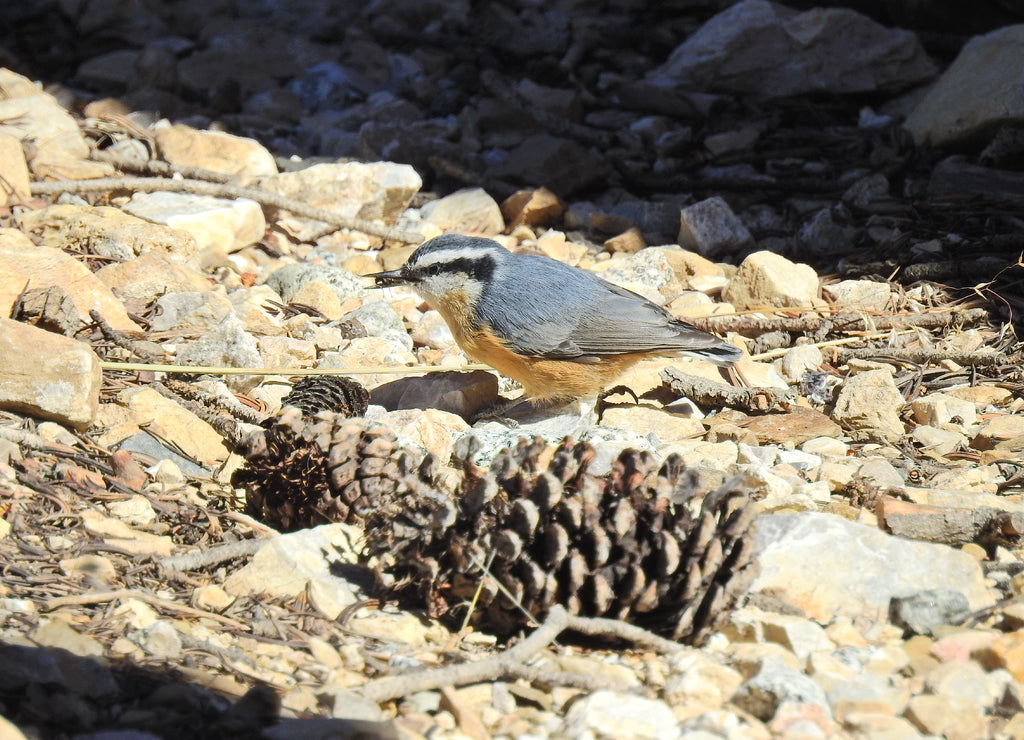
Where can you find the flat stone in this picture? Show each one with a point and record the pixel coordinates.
(55, 134)
(979, 92)
(169, 421)
(769, 50)
(939, 442)
(630, 241)
(118, 534)
(981, 395)
(469, 210)
(217, 151)
(710, 228)
(217, 225)
(22, 262)
(828, 566)
(768, 279)
(667, 427)
(61, 383)
(869, 404)
(1005, 651)
(796, 425)
(860, 294)
(289, 564)
(107, 232)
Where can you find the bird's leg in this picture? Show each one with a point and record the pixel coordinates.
(602, 400)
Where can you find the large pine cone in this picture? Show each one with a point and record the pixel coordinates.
(303, 471)
(626, 546)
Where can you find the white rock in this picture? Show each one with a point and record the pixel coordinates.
(864, 294)
(828, 566)
(610, 714)
(218, 225)
(938, 408)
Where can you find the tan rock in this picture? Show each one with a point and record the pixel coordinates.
(859, 294)
(769, 279)
(869, 404)
(14, 180)
(317, 294)
(981, 395)
(280, 351)
(469, 210)
(23, 264)
(38, 118)
(532, 208)
(997, 430)
(394, 257)
(140, 281)
(217, 151)
(431, 429)
(218, 225)
(372, 191)
(48, 375)
(552, 243)
(107, 232)
(668, 427)
(688, 265)
(950, 718)
(630, 241)
(191, 311)
(167, 420)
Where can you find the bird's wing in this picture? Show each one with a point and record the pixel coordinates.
(572, 314)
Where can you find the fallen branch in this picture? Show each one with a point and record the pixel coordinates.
(224, 190)
(512, 662)
(919, 356)
(197, 559)
(708, 393)
(102, 596)
(488, 669)
(143, 349)
(752, 325)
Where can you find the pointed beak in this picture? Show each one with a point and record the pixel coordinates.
(388, 279)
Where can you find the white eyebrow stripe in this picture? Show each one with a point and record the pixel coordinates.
(447, 255)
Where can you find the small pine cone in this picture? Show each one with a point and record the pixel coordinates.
(316, 393)
(301, 471)
(643, 544)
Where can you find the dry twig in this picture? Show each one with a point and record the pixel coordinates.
(751, 325)
(197, 559)
(224, 190)
(708, 393)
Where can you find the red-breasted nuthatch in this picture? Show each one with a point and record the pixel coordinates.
(560, 331)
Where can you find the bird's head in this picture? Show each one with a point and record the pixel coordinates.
(446, 265)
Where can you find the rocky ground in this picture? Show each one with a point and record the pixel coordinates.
(206, 188)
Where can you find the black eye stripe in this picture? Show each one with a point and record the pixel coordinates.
(479, 268)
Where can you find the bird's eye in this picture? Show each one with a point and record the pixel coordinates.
(434, 269)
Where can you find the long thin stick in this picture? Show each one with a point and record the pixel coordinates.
(224, 190)
(224, 370)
